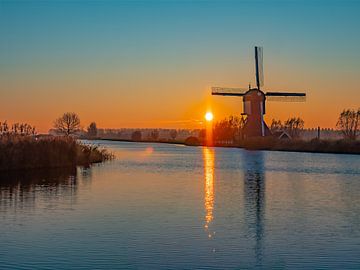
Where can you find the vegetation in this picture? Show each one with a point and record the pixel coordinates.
(276, 126)
(349, 123)
(92, 130)
(22, 129)
(315, 145)
(173, 134)
(293, 126)
(29, 152)
(154, 135)
(192, 141)
(136, 136)
(229, 129)
(67, 124)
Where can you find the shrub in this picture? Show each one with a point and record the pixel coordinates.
(349, 123)
(192, 141)
(26, 152)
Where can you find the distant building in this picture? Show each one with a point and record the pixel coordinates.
(281, 134)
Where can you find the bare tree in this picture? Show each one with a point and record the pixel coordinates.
(276, 125)
(349, 123)
(229, 128)
(294, 126)
(67, 124)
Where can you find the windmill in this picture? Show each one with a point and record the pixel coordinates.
(254, 99)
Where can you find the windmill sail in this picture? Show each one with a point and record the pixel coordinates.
(254, 100)
(227, 91)
(259, 67)
(285, 96)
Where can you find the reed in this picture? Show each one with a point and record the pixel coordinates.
(297, 145)
(30, 152)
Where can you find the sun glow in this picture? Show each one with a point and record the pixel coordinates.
(209, 161)
(209, 116)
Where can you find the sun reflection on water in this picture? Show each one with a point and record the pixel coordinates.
(209, 158)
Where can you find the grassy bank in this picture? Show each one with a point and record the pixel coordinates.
(27, 152)
(313, 146)
(274, 144)
(142, 141)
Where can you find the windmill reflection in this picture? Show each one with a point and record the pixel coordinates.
(254, 194)
(209, 159)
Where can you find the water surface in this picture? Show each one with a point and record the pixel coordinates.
(160, 206)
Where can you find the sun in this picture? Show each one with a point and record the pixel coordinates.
(209, 116)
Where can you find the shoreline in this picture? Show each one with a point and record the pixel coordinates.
(270, 145)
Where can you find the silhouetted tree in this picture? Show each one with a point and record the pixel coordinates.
(136, 135)
(23, 129)
(4, 128)
(276, 125)
(294, 126)
(173, 134)
(92, 130)
(192, 141)
(68, 123)
(229, 128)
(349, 123)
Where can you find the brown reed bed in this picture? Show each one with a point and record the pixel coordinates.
(292, 145)
(30, 152)
(297, 145)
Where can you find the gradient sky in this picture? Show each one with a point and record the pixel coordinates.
(152, 63)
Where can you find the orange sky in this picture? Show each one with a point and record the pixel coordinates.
(176, 100)
(153, 64)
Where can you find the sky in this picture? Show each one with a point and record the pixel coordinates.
(152, 63)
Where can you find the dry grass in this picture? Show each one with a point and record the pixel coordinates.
(315, 145)
(28, 152)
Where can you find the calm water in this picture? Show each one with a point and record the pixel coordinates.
(164, 206)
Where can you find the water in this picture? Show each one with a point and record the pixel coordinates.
(162, 206)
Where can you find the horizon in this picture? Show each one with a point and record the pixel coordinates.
(151, 64)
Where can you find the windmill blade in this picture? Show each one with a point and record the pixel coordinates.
(259, 71)
(285, 96)
(227, 91)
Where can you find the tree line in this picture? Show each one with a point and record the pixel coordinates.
(229, 128)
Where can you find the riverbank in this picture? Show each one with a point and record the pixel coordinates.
(28, 152)
(273, 144)
(142, 141)
(312, 146)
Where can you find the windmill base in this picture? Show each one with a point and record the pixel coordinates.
(254, 129)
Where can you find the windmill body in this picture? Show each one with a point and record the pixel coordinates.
(254, 100)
